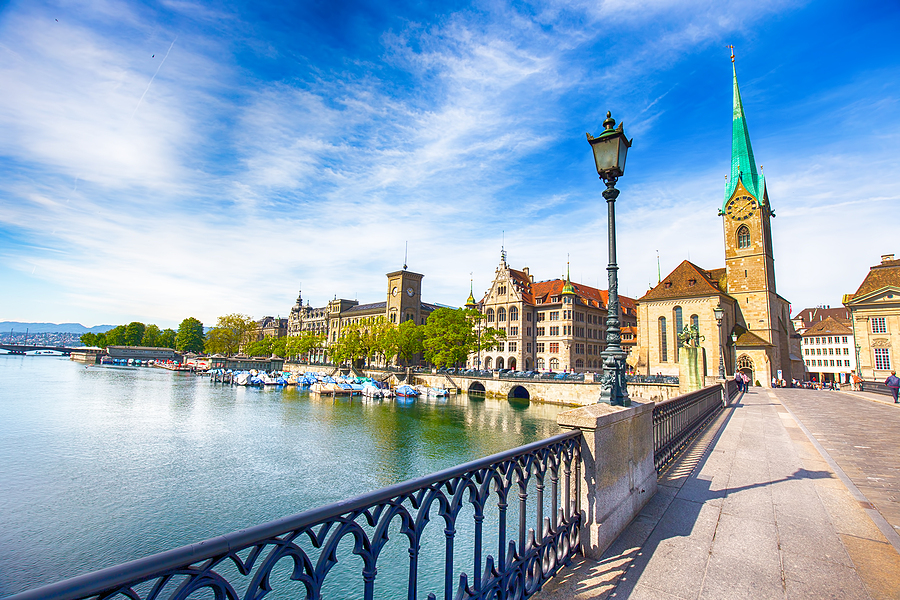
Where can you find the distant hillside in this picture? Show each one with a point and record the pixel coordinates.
(6, 326)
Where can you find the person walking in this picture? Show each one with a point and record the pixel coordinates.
(746, 379)
(893, 384)
(740, 381)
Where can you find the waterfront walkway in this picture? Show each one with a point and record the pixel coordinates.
(789, 494)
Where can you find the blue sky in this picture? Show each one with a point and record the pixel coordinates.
(173, 159)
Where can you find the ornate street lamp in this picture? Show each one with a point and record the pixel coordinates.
(734, 350)
(610, 149)
(719, 314)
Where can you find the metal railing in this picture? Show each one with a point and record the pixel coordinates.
(677, 420)
(243, 564)
(876, 387)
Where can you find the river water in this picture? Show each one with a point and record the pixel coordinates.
(102, 465)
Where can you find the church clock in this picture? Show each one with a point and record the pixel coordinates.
(741, 207)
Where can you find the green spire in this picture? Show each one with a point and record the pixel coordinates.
(743, 165)
(470, 303)
(568, 288)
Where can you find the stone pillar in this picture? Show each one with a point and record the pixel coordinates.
(618, 474)
(689, 379)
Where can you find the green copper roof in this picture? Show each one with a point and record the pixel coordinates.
(471, 301)
(568, 288)
(743, 165)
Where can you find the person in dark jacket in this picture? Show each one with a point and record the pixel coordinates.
(893, 384)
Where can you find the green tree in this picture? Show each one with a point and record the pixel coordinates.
(486, 338)
(151, 336)
(300, 345)
(190, 336)
(231, 333)
(167, 338)
(267, 347)
(115, 336)
(450, 335)
(134, 333)
(410, 338)
(88, 339)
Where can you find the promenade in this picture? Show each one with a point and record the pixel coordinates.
(788, 494)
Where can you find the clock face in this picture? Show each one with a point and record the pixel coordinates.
(741, 208)
(394, 291)
(410, 292)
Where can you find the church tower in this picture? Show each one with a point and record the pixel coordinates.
(746, 215)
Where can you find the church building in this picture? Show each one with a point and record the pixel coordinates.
(756, 335)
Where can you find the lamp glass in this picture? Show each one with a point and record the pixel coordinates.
(609, 154)
(719, 313)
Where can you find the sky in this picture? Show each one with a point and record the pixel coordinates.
(173, 159)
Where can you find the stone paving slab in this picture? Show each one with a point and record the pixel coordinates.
(750, 510)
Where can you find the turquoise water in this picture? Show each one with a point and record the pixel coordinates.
(102, 465)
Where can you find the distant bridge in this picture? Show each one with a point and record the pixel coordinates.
(23, 348)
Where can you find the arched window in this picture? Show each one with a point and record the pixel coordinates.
(663, 341)
(488, 362)
(554, 364)
(513, 314)
(743, 237)
(499, 362)
(501, 314)
(579, 364)
(679, 326)
(539, 363)
(490, 315)
(695, 321)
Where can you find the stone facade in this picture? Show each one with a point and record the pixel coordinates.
(828, 350)
(875, 319)
(756, 335)
(554, 325)
(403, 303)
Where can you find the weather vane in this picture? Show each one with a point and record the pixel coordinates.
(732, 51)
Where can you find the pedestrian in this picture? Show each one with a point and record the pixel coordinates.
(893, 384)
(746, 379)
(739, 380)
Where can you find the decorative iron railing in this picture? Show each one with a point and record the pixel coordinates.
(676, 421)
(293, 556)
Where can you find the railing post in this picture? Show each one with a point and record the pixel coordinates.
(618, 476)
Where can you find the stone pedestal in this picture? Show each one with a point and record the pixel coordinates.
(689, 378)
(618, 476)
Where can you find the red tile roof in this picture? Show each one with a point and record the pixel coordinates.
(687, 280)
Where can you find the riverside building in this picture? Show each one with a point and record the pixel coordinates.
(756, 335)
(554, 325)
(875, 319)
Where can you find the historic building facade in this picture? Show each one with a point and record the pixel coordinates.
(828, 350)
(554, 325)
(756, 335)
(875, 319)
(403, 303)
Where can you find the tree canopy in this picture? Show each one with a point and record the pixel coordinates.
(190, 336)
(231, 334)
(450, 335)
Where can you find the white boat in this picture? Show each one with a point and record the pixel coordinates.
(241, 378)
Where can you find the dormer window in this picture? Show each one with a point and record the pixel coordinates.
(692, 282)
(668, 284)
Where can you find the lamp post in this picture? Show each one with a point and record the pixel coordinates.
(734, 351)
(719, 314)
(610, 149)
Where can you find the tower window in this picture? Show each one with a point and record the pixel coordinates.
(663, 341)
(743, 237)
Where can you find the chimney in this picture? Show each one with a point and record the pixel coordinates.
(886, 258)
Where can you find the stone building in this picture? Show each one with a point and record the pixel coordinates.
(271, 327)
(755, 316)
(875, 319)
(553, 325)
(808, 317)
(828, 350)
(403, 303)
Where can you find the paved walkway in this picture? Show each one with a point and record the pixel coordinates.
(754, 510)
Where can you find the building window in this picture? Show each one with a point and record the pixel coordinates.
(513, 331)
(539, 363)
(695, 321)
(832, 363)
(844, 339)
(541, 330)
(807, 363)
(501, 290)
(540, 316)
(743, 237)
(846, 350)
(554, 364)
(512, 346)
(500, 346)
(846, 363)
(882, 358)
(579, 348)
(528, 347)
(554, 330)
(514, 314)
(579, 317)
(554, 315)
(490, 315)
(878, 325)
(679, 325)
(554, 347)
(579, 364)
(663, 342)
(539, 347)
(528, 316)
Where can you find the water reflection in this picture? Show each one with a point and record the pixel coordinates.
(103, 465)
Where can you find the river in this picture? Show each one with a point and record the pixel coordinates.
(100, 465)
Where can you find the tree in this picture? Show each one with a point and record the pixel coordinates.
(167, 338)
(267, 347)
(96, 340)
(300, 345)
(151, 336)
(190, 336)
(487, 338)
(231, 333)
(409, 340)
(115, 336)
(134, 333)
(448, 337)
